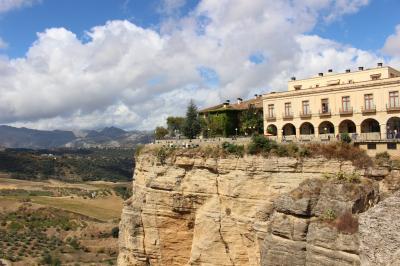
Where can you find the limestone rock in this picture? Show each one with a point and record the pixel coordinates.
(192, 210)
(380, 233)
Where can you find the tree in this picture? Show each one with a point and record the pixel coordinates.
(161, 132)
(191, 127)
(175, 123)
(251, 120)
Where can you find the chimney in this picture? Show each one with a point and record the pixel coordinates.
(239, 100)
(361, 68)
(255, 96)
(348, 70)
(380, 64)
(293, 78)
(330, 70)
(321, 74)
(226, 103)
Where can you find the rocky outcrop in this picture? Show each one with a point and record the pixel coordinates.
(380, 233)
(307, 226)
(192, 210)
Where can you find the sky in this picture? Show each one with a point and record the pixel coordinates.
(69, 64)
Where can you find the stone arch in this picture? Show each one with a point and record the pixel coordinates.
(288, 129)
(271, 130)
(326, 127)
(370, 125)
(347, 126)
(393, 127)
(307, 129)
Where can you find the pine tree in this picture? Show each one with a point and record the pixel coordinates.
(192, 127)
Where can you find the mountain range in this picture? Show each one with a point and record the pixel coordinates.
(109, 137)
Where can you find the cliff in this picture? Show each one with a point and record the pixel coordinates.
(195, 210)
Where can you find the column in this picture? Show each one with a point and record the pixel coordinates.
(358, 131)
(383, 131)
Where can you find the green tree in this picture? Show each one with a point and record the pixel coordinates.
(191, 127)
(161, 132)
(251, 120)
(175, 123)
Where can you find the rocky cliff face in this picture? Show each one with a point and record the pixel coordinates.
(192, 210)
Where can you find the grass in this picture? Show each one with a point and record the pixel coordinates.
(101, 209)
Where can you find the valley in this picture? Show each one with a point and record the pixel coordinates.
(58, 223)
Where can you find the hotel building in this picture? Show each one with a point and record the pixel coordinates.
(363, 103)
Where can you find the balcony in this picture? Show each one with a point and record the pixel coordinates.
(305, 114)
(346, 111)
(271, 117)
(393, 108)
(287, 115)
(325, 113)
(368, 109)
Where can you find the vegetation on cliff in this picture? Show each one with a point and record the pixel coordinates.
(262, 146)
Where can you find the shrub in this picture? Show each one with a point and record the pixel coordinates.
(282, 151)
(260, 144)
(382, 158)
(342, 152)
(329, 215)
(162, 155)
(238, 150)
(345, 137)
(139, 148)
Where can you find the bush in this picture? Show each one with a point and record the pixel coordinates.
(238, 150)
(138, 149)
(261, 144)
(382, 158)
(342, 152)
(345, 137)
(329, 215)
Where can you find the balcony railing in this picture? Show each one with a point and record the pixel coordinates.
(271, 117)
(394, 107)
(287, 115)
(305, 114)
(368, 109)
(346, 111)
(325, 113)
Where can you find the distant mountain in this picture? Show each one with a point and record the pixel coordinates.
(32, 138)
(12, 137)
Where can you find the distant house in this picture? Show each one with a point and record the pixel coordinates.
(230, 119)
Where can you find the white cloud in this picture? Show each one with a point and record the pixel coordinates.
(133, 77)
(392, 44)
(7, 5)
(3, 44)
(170, 7)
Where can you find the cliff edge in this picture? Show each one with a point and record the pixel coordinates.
(191, 209)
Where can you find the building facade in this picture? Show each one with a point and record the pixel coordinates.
(364, 103)
(242, 117)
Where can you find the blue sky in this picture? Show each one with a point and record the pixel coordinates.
(132, 63)
(19, 27)
(365, 30)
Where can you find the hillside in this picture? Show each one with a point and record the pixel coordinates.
(68, 164)
(12, 137)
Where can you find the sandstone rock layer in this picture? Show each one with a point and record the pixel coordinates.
(240, 211)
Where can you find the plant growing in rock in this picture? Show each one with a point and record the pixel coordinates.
(329, 215)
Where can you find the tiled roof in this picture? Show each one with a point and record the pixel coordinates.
(244, 105)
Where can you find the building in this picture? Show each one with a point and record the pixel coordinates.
(226, 119)
(363, 103)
